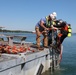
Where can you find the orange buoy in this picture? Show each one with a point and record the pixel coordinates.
(33, 50)
(14, 51)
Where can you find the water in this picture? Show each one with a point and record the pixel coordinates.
(68, 63)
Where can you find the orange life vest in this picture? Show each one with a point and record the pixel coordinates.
(65, 28)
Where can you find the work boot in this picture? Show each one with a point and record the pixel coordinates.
(41, 48)
(45, 46)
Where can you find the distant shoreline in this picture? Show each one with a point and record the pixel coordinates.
(17, 31)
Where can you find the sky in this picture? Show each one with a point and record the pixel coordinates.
(24, 14)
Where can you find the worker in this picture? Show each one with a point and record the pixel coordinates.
(65, 31)
(42, 27)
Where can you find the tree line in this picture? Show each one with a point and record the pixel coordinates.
(17, 31)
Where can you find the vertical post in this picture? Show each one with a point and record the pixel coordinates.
(54, 54)
(53, 57)
(10, 41)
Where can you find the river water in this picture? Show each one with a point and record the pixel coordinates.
(68, 63)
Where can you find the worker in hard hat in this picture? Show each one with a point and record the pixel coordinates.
(42, 27)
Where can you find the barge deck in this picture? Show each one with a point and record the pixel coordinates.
(30, 62)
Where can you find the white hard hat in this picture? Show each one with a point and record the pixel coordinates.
(52, 16)
(54, 13)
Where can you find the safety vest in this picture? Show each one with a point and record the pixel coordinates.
(49, 23)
